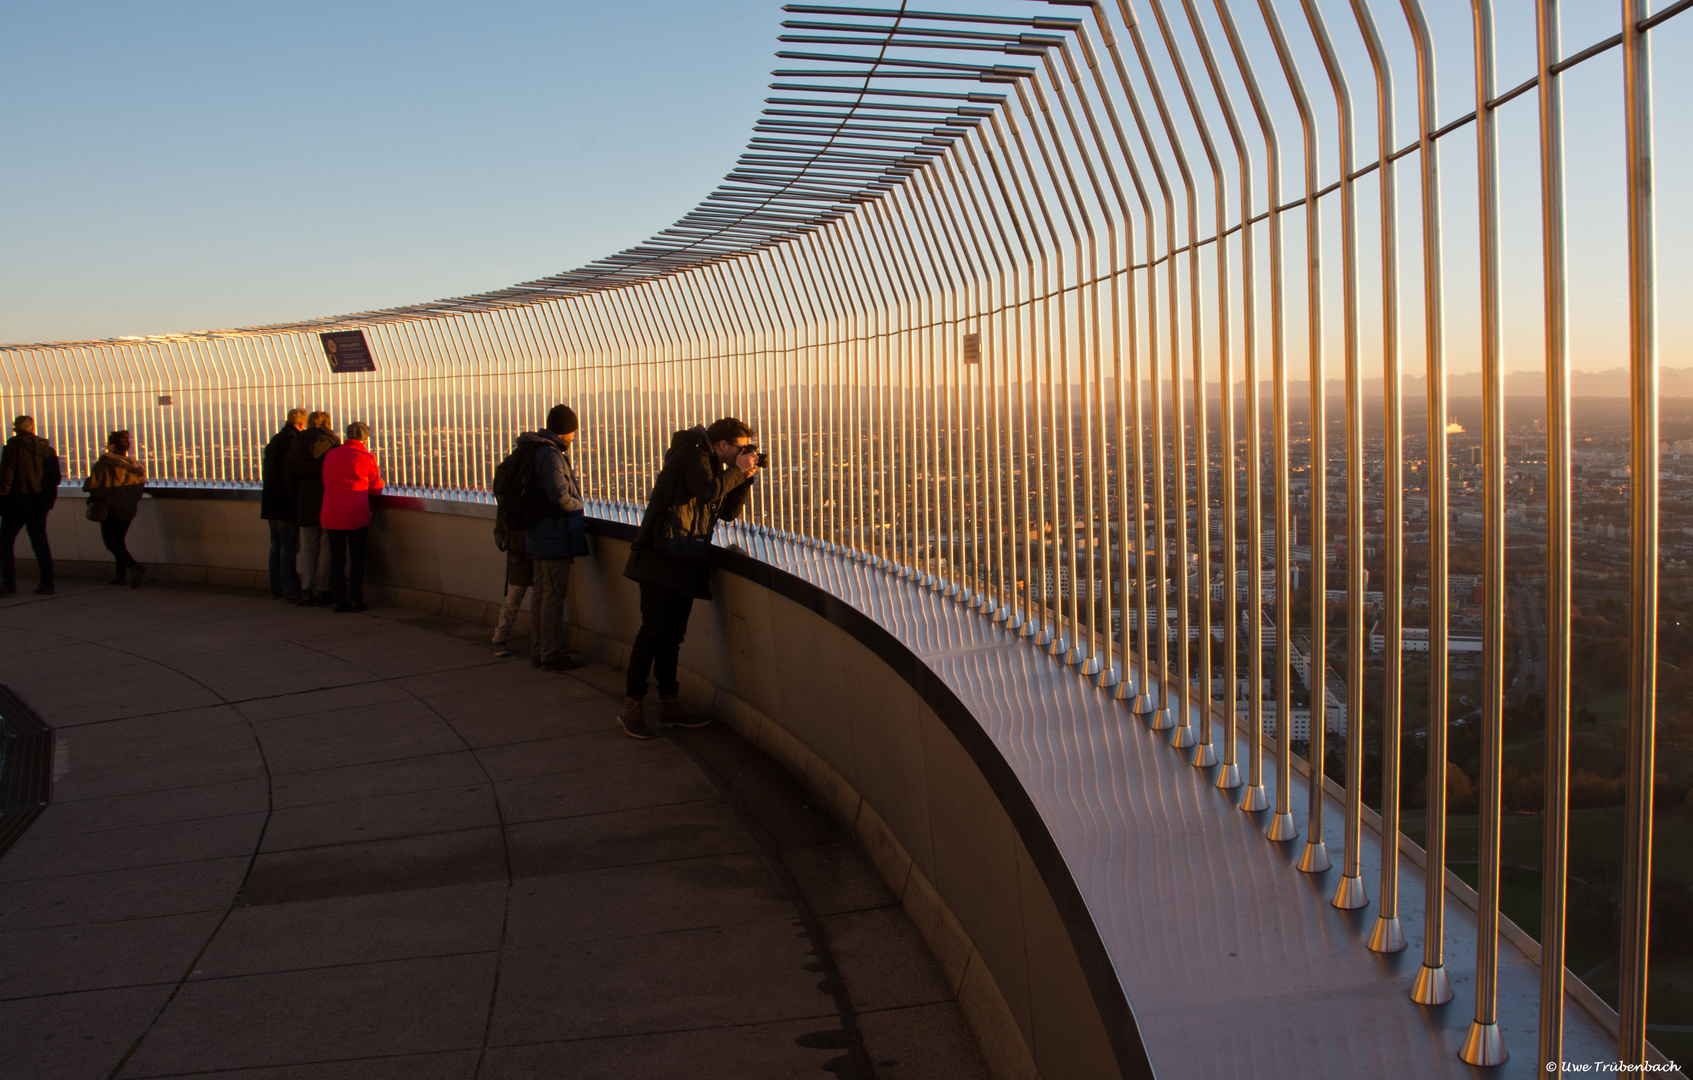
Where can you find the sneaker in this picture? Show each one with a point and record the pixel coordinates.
(501, 649)
(44, 589)
(633, 719)
(118, 579)
(306, 600)
(563, 663)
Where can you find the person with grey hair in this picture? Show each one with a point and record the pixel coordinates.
(29, 486)
(281, 509)
(350, 478)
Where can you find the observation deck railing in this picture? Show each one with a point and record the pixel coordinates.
(1004, 291)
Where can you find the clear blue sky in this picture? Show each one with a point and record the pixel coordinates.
(187, 164)
(180, 165)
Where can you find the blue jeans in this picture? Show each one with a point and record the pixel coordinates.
(284, 547)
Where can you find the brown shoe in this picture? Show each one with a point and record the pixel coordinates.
(633, 718)
(672, 712)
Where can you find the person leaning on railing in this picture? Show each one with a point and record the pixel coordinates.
(707, 475)
(29, 485)
(279, 507)
(114, 494)
(303, 474)
(350, 478)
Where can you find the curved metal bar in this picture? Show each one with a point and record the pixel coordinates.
(1432, 987)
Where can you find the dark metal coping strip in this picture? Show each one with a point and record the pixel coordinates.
(1107, 990)
(26, 767)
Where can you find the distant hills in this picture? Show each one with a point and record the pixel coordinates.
(1612, 383)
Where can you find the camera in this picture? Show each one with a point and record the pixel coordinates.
(759, 457)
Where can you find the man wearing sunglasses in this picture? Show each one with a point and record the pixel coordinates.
(707, 475)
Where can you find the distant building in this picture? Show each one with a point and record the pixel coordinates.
(1415, 639)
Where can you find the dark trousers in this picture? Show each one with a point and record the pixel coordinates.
(346, 563)
(35, 523)
(284, 549)
(664, 622)
(112, 532)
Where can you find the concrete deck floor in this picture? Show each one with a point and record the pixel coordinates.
(287, 843)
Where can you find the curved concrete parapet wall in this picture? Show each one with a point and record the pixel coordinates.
(838, 699)
(1061, 859)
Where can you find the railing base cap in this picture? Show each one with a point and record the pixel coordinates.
(1315, 858)
(1283, 829)
(1431, 987)
(1161, 719)
(1254, 799)
(1228, 777)
(1387, 937)
(1184, 737)
(1351, 894)
(1484, 1046)
(1204, 756)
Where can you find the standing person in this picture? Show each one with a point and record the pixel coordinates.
(29, 485)
(114, 494)
(350, 478)
(303, 473)
(555, 539)
(707, 475)
(520, 575)
(281, 509)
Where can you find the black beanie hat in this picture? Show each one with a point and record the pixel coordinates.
(561, 420)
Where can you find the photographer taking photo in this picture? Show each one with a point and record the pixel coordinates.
(707, 475)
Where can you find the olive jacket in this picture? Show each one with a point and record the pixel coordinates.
(117, 481)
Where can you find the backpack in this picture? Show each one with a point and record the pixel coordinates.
(515, 492)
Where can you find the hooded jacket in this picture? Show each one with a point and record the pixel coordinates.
(694, 474)
(350, 478)
(560, 490)
(304, 471)
(117, 480)
(29, 475)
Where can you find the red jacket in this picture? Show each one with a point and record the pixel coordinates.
(350, 476)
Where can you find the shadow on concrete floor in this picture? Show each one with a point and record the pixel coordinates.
(288, 843)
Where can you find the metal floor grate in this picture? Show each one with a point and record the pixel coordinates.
(26, 767)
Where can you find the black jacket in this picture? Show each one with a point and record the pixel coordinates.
(693, 474)
(304, 472)
(29, 475)
(275, 501)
